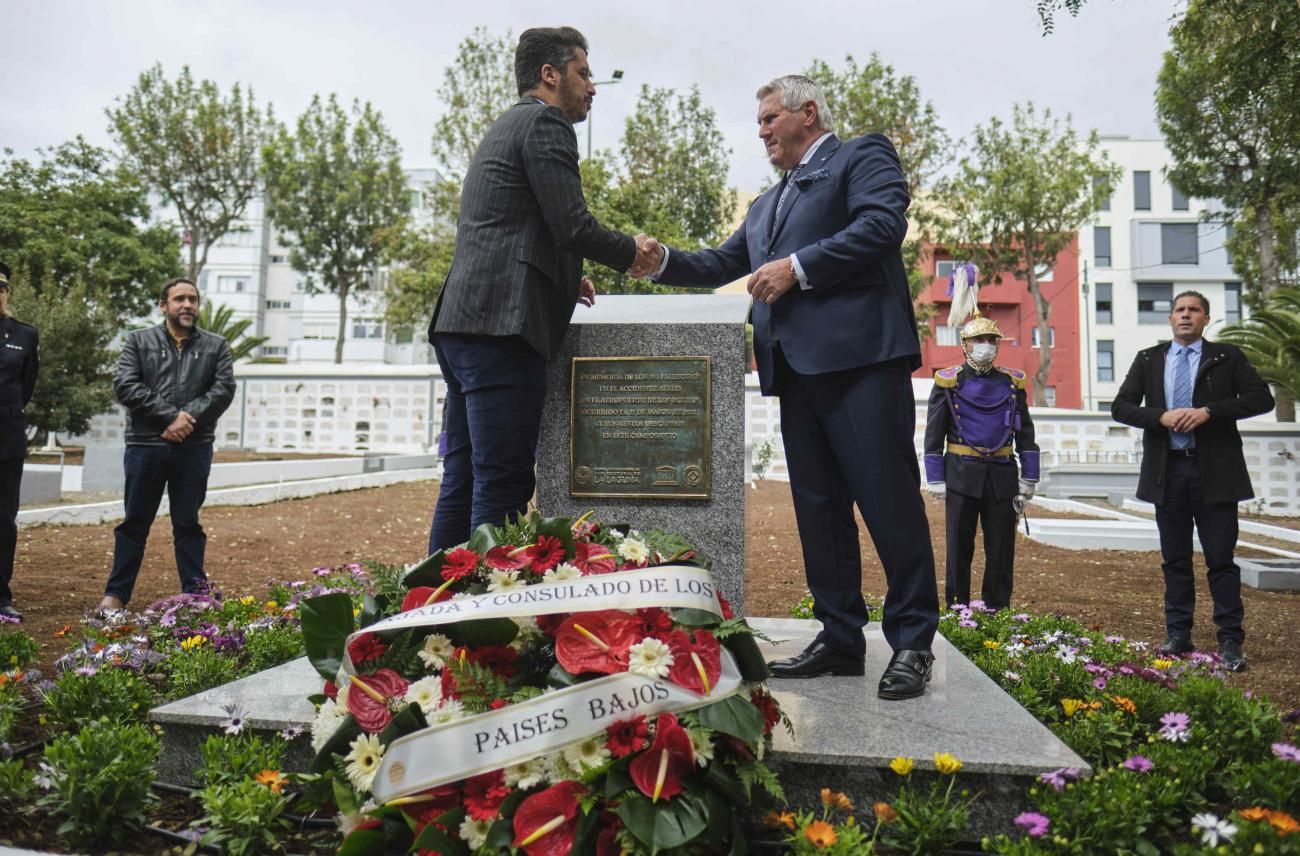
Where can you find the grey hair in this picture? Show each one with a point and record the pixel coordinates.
(797, 90)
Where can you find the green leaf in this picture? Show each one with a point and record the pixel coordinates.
(749, 657)
(344, 797)
(560, 677)
(326, 623)
(617, 779)
(433, 838)
(723, 782)
(558, 527)
(407, 721)
(501, 835)
(734, 715)
(427, 573)
(483, 631)
(664, 825)
(371, 611)
(483, 539)
(695, 617)
(363, 842)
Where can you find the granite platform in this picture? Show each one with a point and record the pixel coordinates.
(1270, 574)
(845, 736)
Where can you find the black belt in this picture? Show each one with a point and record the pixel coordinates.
(1186, 453)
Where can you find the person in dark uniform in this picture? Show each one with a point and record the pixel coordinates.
(18, 364)
(978, 412)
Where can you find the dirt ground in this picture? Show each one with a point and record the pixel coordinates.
(61, 569)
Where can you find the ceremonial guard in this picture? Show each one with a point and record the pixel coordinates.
(18, 364)
(977, 416)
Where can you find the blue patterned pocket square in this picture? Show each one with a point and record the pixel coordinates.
(803, 182)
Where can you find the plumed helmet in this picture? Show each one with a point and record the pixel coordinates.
(980, 326)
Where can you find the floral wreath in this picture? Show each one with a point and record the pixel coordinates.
(588, 691)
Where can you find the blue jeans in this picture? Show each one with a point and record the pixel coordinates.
(496, 386)
(183, 471)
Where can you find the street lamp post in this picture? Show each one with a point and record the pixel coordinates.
(615, 77)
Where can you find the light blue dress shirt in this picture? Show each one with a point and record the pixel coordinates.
(1193, 363)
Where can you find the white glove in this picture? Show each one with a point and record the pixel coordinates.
(1027, 489)
(935, 488)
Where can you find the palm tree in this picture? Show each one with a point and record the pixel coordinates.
(218, 320)
(1270, 339)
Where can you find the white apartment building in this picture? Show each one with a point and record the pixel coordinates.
(1150, 243)
(249, 271)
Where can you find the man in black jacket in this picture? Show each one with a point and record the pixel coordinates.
(1192, 465)
(18, 365)
(176, 380)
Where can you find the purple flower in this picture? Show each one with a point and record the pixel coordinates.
(1058, 778)
(234, 722)
(966, 622)
(1011, 676)
(1138, 764)
(1174, 726)
(1114, 640)
(6, 619)
(1020, 616)
(1126, 669)
(1034, 824)
(322, 572)
(1291, 716)
(1286, 752)
(86, 671)
(1099, 683)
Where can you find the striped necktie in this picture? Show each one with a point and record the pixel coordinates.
(1182, 396)
(785, 191)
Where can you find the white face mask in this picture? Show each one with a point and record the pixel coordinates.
(982, 352)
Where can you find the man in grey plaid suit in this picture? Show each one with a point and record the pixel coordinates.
(515, 278)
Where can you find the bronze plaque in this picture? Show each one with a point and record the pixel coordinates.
(639, 427)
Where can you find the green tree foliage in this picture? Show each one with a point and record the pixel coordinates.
(1243, 243)
(195, 148)
(335, 187)
(1270, 339)
(1017, 199)
(1047, 10)
(874, 98)
(219, 319)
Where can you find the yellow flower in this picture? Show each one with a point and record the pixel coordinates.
(946, 764)
(990, 644)
(836, 801)
(192, 643)
(272, 779)
(271, 606)
(248, 600)
(902, 766)
(820, 833)
(1162, 664)
(783, 818)
(885, 812)
(1070, 705)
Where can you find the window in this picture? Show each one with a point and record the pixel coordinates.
(274, 350)
(277, 260)
(319, 331)
(367, 328)
(1178, 244)
(277, 304)
(1104, 406)
(1105, 313)
(943, 267)
(1105, 359)
(1051, 337)
(1227, 242)
(1096, 183)
(1155, 302)
(945, 335)
(417, 200)
(1141, 191)
(232, 284)
(1179, 199)
(1049, 392)
(404, 335)
(1101, 246)
(1231, 302)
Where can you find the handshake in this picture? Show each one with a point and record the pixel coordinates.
(649, 256)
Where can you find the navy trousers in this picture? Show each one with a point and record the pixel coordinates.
(496, 386)
(11, 478)
(182, 470)
(1216, 524)
(964, 514)
(848, 440)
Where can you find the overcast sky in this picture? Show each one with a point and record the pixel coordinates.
(64, 61)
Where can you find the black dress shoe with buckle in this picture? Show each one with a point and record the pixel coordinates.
(9, 611)
(1176, 645)
(1233, 659)
(819, 659)
(907, 674)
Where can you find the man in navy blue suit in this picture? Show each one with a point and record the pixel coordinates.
(835, 337)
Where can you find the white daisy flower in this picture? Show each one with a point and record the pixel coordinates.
(701, 744)
(526, 774)
(474, 832)
(437, 648)
(649, 657)
(633, 550)
(426, 692)
(363, 759)
(503, 580)
(558, 769)
(449, 711)
(561, 572)
(588, 754)
(328, 719)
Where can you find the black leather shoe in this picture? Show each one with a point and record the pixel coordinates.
(819, 659)
(8, 611)
(1233, 659)
(1176, 646)
(907, 674)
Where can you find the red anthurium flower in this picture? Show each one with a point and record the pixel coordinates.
(504, 558)
(697, 661)
(366, 647)
(545, 554)
(607, 841)
(593, 558)
(727, 612)
(331, 691)
(427, 806)
(545, 823)
(484, 794)
(657, 772)
(549, 624)
(373, 697)
(459, 563)
(596, 641)
(655, 621)
(767, 706)
(628, 736)
(420, 596)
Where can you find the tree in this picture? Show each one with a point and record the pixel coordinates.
(335, 187)
(218, 320)
(1226, 100)
(1018, 198)
(196, 149)
(1047, 10)
(872, 97)
(1270, 339)
(72, 217)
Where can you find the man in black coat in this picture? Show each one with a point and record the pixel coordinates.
(1187, 397)
(515, 278)
(18, 364)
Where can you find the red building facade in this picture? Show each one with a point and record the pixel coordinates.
(1010, 304)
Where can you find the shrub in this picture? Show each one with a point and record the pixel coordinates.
(18, 650)
(271, 647)
(99, 782)
(245, 817)
(16, 785)
(115, 694)
(197, 670)
(11, 703)
(232, 758)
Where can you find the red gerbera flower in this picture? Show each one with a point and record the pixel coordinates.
(727, 612)
(331, 691)
(365, 648)
(628, 736)
(459, 563)
(545, 823)
(549, 624)
(592, 558)
(545, 554)
(419, 596)
(500, 659)
(596, 641)
(484, 794)
(658, 771)
(697, 660)
(766, 706)
(654, 621)
(504, 558)
(372, 697)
